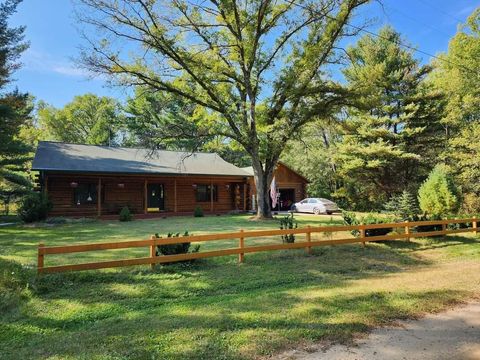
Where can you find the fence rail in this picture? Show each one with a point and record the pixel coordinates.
(241, 250)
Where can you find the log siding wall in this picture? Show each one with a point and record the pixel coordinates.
(132, 194)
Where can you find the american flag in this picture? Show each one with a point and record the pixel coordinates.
(273, 193)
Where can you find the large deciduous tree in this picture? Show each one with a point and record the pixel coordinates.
(256, 68)
(87, 119)
(15, 109)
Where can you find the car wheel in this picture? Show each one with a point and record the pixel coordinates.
(294, 208)
(329, 212)
(316, 211)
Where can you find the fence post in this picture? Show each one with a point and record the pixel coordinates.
(309, 239)
(474, 225)
(362, 233)
(444, 226)
(40, 261)
(241, 245)
(407, 230)
(153, 251)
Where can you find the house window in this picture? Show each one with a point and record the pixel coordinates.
(203, 193)
(85, 194)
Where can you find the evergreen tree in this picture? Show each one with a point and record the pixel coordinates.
(391, 136)
(15, 109)
(457, 76)
(404, 205)
(438, 195)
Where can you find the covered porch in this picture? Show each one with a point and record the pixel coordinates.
(104, 195)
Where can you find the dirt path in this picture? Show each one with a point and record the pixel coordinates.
(454, 334)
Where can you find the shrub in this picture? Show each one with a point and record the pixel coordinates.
(288, 222)
(125, 214)
(403, 205)
(174, 249)
(426, 228)
(349, 218)
(198, 212)
(375, 219)
(34, 207)
(438, 195)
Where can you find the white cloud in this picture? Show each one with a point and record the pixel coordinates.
(41, 61)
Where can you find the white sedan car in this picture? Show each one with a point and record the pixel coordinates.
(316, 206)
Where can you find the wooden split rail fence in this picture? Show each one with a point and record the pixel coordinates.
(241, 250)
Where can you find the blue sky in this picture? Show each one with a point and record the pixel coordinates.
(50, 74)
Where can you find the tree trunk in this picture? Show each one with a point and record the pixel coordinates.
(263, 178)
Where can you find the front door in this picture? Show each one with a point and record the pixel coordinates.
(155, 197)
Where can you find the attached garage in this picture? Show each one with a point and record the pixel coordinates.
(291, 186)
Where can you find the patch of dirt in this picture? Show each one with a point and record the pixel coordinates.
(453, 334)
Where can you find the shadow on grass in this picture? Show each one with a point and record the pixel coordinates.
(431, 243)
(230, 328)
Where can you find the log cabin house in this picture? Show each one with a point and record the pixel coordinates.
(91, 180)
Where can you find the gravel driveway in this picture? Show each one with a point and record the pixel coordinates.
(454, 334)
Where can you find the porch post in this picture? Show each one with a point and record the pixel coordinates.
(99, 197)
(211, 196)
(175, 195)
(145, 197)
(46, 185)
(245, 196)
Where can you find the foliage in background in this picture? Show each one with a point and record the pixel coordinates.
(387, 137)
(159, 120)
(87, 119)
(34, 207)
(456, 75)
(438, 195)
(174, 249)
(15, 112)
(288, 222)
(125, 214)
(312, 155)
(404, 205)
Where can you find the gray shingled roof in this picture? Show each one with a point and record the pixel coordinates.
(248, 170)
(56, 156)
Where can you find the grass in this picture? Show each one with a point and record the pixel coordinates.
(215, 308)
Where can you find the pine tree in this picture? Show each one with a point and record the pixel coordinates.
(438, 195)
(404, 205)
(387, 146)
(15, 109)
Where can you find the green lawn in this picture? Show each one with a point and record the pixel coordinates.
(216, 308)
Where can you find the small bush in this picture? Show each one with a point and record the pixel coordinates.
(438, 195)
(349, 218)
(34, 207)
(288, 222)
(198, 212)
(375, 219)
(175, 249)
(426, 228)
(125, 214)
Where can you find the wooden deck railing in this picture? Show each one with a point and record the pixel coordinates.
(241, 250)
